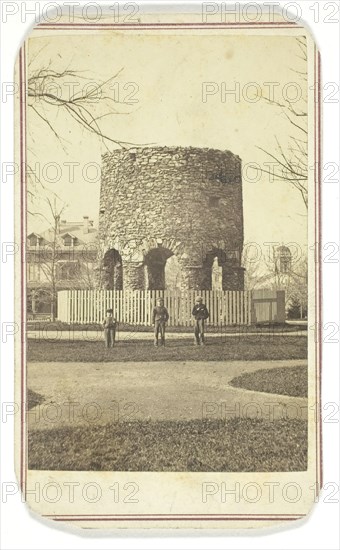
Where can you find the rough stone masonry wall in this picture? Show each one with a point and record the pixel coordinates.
(178, 200)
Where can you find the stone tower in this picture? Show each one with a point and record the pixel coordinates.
(156, 202)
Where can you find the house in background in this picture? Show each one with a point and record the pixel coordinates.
(60, 258)
(282, 270)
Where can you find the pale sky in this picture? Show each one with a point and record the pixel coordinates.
(167, 73)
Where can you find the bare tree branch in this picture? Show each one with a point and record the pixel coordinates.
(45, 85)
(292, 159)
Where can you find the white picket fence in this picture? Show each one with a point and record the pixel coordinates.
(135, 306)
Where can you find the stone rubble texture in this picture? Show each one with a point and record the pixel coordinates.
(156, 202)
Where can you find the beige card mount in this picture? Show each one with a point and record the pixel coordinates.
(168, 365)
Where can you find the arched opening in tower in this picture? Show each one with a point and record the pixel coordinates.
(112, 270)
(216, 275)
(222, 271)
(155, 263)
(213, 269)
(173, 274)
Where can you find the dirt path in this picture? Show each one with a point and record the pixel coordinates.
(97, 393)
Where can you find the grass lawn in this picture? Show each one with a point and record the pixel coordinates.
(235, 445)
(244, 348)
(291, 381)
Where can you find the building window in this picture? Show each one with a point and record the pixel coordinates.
(34, 240)
(33, 271)
(68, 240)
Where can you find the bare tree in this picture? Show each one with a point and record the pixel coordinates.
(299, 285)
(70, 266)
(252, 267)
(290, 162)
(70, 95)
(85, 273)
(85, 276)
(77, 97)
(49, 256)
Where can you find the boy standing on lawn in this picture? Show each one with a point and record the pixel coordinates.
(109, 324)
(201, 313)
(160, 316)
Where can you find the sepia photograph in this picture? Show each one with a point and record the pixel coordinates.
(167, 206)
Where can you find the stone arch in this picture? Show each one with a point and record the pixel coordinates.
(146, 245)
(154, 262)
(112, 275)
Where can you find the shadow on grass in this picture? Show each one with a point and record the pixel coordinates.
(33, 399)
(234, 445)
